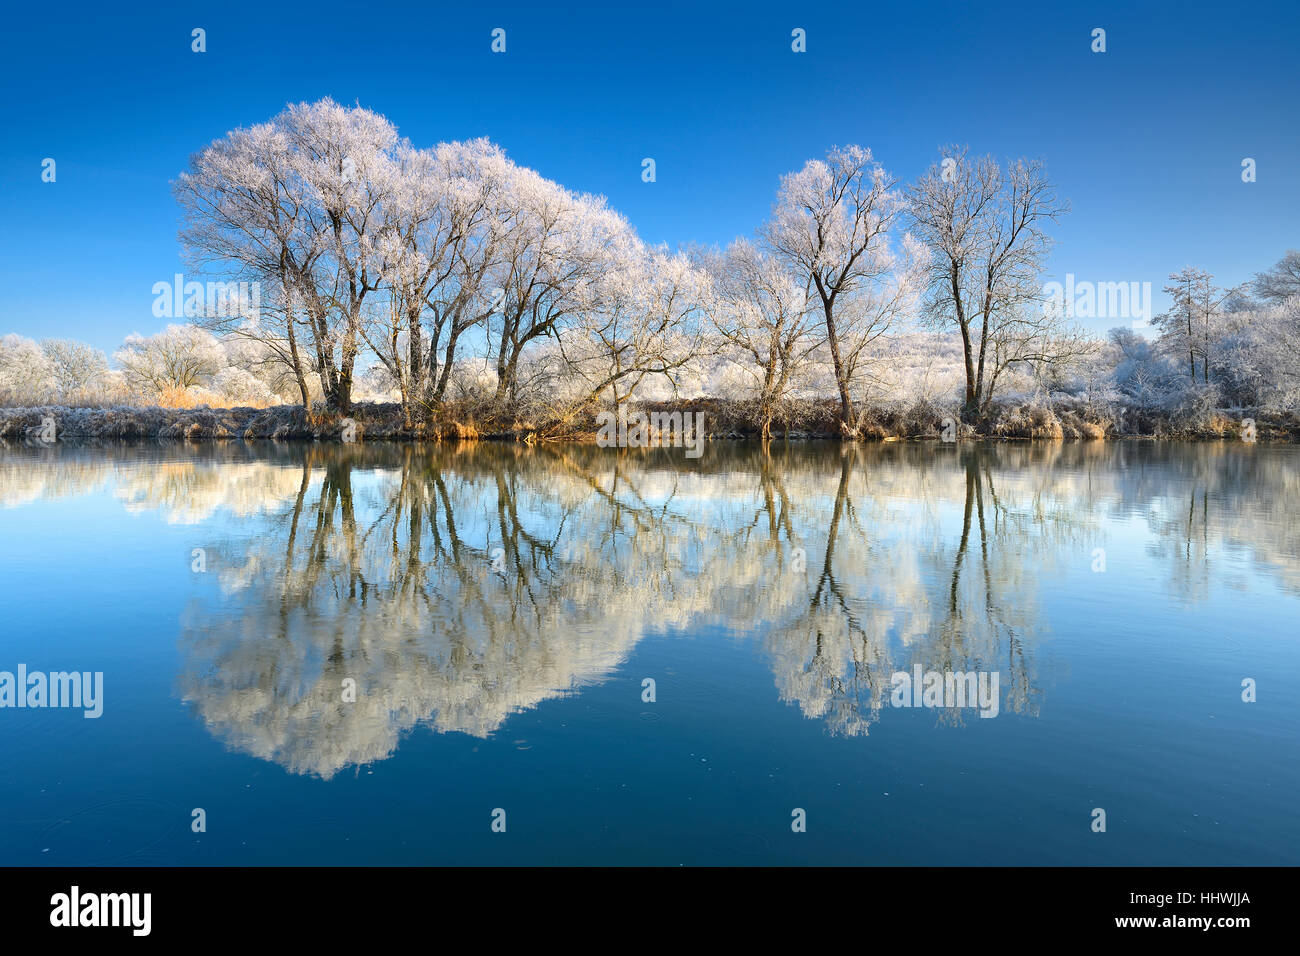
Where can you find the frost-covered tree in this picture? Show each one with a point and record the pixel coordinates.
(642, 319)
(1141, 373)
(244, 213)
(830, 227)
(344, 159)
(264, 362)
(78, 369)
(443, 223)
(240, 387)
(985, 226)
(1281, 281)
(1257, 356)
(1193, 323)
(297, 204)
(1179, 323)
(558, 248)
(27, 376)
(177, 358)
(762, 314)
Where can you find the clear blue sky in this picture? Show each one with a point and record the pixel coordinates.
(1145, 140)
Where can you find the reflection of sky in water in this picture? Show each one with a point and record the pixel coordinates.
(522, 688)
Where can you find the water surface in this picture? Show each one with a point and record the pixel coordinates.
(499, 609)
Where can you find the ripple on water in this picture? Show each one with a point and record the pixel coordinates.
(110, 831)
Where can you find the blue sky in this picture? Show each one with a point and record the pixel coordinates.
(1145, 140)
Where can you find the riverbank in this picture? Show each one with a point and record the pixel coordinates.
(722, 420)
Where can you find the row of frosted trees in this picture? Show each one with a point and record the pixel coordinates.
(452, 276)
(453, 261)
(431, 262)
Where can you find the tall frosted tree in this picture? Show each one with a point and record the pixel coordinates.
(1191, 326)
(830, 228)
(762, 315)
(986, 228)
(296, 204)
(442, 231)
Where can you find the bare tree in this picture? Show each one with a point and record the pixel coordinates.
(763, 313)
(297, 204)
(1281, 281)
(830, 227)
(985, 228)
(556, 250)
(1192, 325)
(441, 228)
(1035, 338)
(179, 357)
(77, 368)
(242, 206)
(640, 320)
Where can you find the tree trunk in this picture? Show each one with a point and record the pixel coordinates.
(846, 404)
(297, 368)
(971, 408)
(447, 359)
(343, 389)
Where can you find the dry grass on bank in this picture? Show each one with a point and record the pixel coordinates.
(721, 420)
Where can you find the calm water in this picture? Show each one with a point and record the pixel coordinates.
(499, 610)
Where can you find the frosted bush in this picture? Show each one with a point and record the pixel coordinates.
(26, 373)
(240, 387)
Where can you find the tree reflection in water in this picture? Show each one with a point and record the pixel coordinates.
(457, 585)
